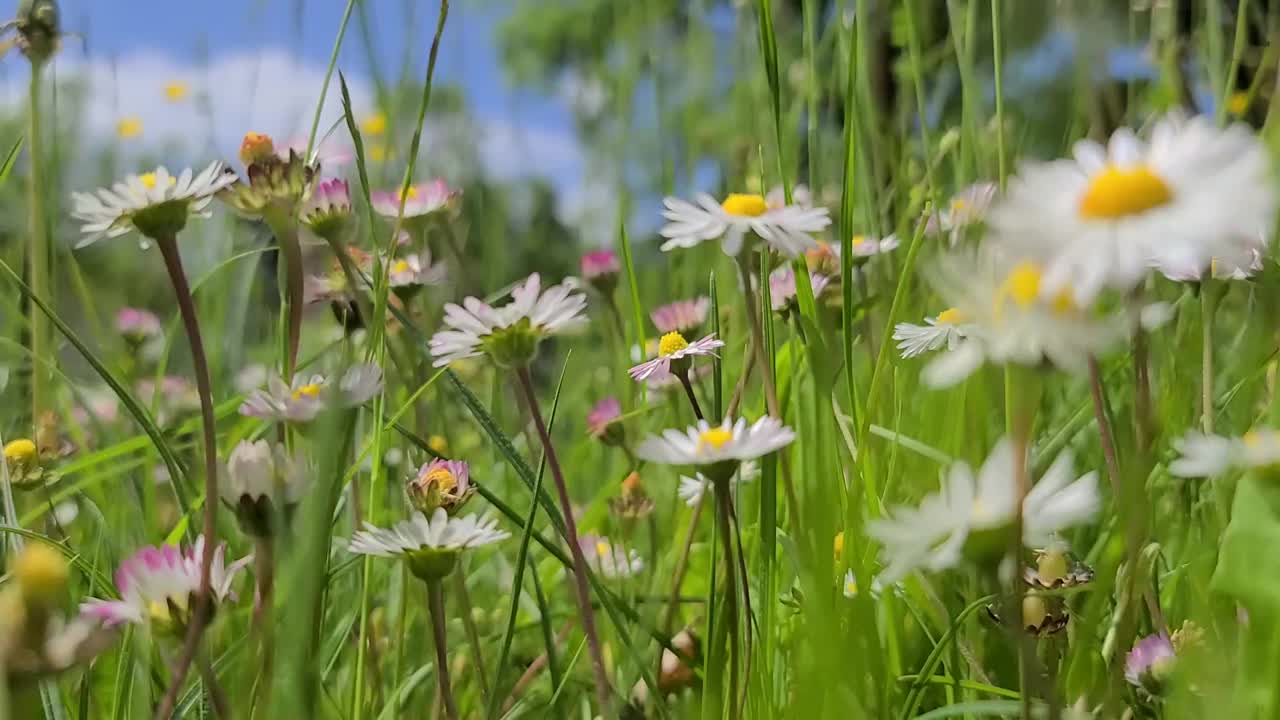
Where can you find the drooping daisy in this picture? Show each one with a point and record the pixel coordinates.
(674, 356)
(261, 478)
(693, 489)
(717, 449)
(934, 535)
(430, 545)
(440, 483)
(1009, 321)
(946, 329)
(412, 272)
(1102, 218)
(681, 316)
(509, 334)
(782, 287)
(157, 585)
(786, 229)
(610, 560)
(420, 200)
(1201, 455)
(156, 204)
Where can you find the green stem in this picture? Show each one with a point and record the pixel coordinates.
(435, 599)
(286, 232)
(997, 45)
(38, 254)
(729, 616)
(473, 635)
(1208, 308)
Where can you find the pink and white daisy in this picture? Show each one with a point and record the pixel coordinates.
(600, 263)
(157, 582)
(137, 325)
(416, 270)
(673, 348)
(681, 315)
(610, 560)
(605, 413)
(782, 287)
(440, 483)
(420, 200)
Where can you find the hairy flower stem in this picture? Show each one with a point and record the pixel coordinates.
(203, 610)
(473, 634)
(682, 567)
(1022, 389)
(42, 359)
(757, 340)
(1105, 434)
(286, 233)
(435, 601)
(575, 548)
(688, 391)
(729, 615)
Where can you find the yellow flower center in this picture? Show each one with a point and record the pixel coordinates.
(602, 548)
(838, 546)
(129, 127)
(310, 390)
(851, 586)
(744, 205)
(672, 342)
(1238, 103)
(442, 478)
(378, 152)
(715, 437)
(400, 266)
(1252, 439)
(21, 451)
(950, 316)
(859, 239)
(959, 204)
(1119, 192)
(631, 484)
(149, 179)
(438, 444)
(175, 91)
(41, 571)
(1022, 287)
(411, 193)
(375, 124)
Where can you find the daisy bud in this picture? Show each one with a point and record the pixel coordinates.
(41, 573)
(328, 208)
(39, 29)
(137, 326)
(604, 422)
(633, 503)
(1149, 663)
(440, 484)
(600, 268)
(255, 148)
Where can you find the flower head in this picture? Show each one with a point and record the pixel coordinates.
(601, 268)
(967, 207)
(675, 355)
(307, 395)
(129, 127)
(510, 334)
(693, 489)
(1102, 218)
(412, 272)
(420, 200)
(440, 483)
(787, 229)
(717, 448)
(157, 585)
(610, 560)
(327, 208)
(782, 287)
(374, 124)
(946, 329)
(137, 325)
(274, 186)
(261, 478)
(960, 519)
(681, 316)
(864, 246)
(603, 422)
(155, 204)
(1201, 455)
(1149, 663)
(633, 503)
(430, 545)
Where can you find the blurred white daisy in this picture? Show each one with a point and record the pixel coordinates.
(157, 583)
(420, 200)
(258, 470)
(706, 445)
(1009, 321)
(307, 395)
(610, 560)
(946, 329)
(787, 229)
(1240, 265)
(965, 208)
(673, 348)
(155, 203)
(863, 246)
(1201, 455)
(681, 316)
(693, 489)
(933, 535)
(801, 197)
(509, 334)
(1102, 218)
(415, 270)
(782, 287)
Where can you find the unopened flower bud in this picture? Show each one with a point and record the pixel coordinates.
(440, 484)
(256, 147)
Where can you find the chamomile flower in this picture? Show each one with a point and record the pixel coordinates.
(681, 315)
(1102, 218)
(509, 334)
(307, 395)
(674, 356)
(717, 449)
(420, 200)
(1009, 321)
(440, 483)
(782, 287)
(693, 489)
(155, 204)
(1201, 455)
(946, 329)
(787, 229)
(612, 561)
(430, 545)
(157, 585)
(954, 522)
(412, 272)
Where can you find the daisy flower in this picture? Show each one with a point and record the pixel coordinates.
(782, 287)
(633, 503)
(327, 207)
(946, 329)
(693, 489)
(1150, 660)
(681, 316)
(934, 535)
(967, 207)
(674, 349)
(274, 184)
(1201, 455)
(717, 449)
(1102, 218)
(600, 264)
(863, 246)
(257, 474)
(509, 334)
(1009, 321)
(420, 200)
(801, 197)
(137, 325)
(610, 560)
(603, 417)
(155, 204)
(787, 229)
(413, 271)
(302, 400)
(157, 585)
(1242, 264)
(440, 483)
(430, 545)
